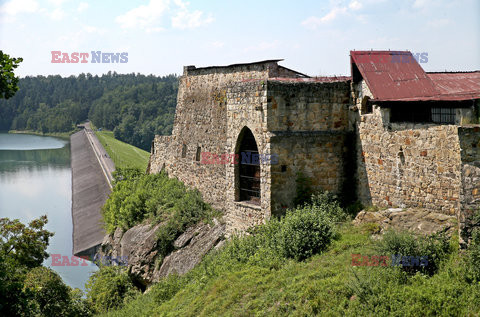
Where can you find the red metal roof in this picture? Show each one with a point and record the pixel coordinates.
(390, 78)
(457, 83)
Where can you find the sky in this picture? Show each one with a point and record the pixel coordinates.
(162, 36)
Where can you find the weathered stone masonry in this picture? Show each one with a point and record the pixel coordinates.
(303, 121)
(324, 128)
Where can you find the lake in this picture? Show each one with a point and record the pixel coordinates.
(35, 180)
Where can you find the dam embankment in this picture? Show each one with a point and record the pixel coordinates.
(91, 185)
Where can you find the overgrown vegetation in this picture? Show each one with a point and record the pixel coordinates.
(435, 247)
(123, 155)
(135, 107)
(137, 197)
(284, 268)
(26, 287)
(110, 287)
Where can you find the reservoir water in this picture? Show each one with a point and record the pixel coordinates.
(35, 180)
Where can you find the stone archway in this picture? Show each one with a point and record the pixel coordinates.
(247, 171)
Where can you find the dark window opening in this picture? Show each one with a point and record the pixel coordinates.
(418, 113)
(443, 115)
(249, 170)
(284, 168)
(366, 105)
(197, 155)
(184, 151)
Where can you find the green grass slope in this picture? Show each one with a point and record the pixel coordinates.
(124, 155)
(325, 284)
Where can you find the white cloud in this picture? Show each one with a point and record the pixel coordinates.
(82, 6)
(190, 20)
(144, 16)
(314, 22)
(14, 7)
(56, 14)
(56, 3)
(355, 5)
(150, 17)
(421, 3)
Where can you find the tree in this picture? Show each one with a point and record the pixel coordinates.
(25, 246)
(8, 81)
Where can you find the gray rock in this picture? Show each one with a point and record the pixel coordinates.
(417, 220)
(182, 261)
(140, 245)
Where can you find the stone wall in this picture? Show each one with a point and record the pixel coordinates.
(200, 125)
(308, 123)
(408, 165)
(247, 107)
(470, 165)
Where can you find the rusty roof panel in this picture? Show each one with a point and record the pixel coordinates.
(390, 78)
(456, 83)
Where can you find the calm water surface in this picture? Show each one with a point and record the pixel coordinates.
(35, 180)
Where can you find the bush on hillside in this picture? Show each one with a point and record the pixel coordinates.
(51, 297)
(473, 251)
(109, 288)
(435, 247)
(137, 197)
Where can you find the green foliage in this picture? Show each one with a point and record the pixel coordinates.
(137, 197)
(231, 282)
(21, 249)
(306, 231)
(8, 81)
(436, 247)
(24, 245)
(51, 297)
(473, 252)
(27, 288)
(135, 107)
(109, 288)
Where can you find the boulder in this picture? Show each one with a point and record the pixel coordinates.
(139, 245)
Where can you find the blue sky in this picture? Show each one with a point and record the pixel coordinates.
(161, 36)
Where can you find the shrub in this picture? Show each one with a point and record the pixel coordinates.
(51, 297)
(137, 197)
(305, 231)
(436, 247)
(109, 288)
(473, 251)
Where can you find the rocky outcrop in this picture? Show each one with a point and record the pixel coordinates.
(420, 221)
(138, 246)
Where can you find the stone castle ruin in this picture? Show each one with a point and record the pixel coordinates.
(388, 135)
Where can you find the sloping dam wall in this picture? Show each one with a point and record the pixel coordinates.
(90, 190)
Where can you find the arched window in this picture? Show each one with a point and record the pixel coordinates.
(248, 168)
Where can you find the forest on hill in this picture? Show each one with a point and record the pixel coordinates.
(134, 106)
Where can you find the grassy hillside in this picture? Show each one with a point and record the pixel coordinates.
(124, 155)
(247, 278)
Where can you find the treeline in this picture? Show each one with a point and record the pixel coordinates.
(134, 106)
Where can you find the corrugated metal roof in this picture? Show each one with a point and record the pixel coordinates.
(449, 83)
(391, 79)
